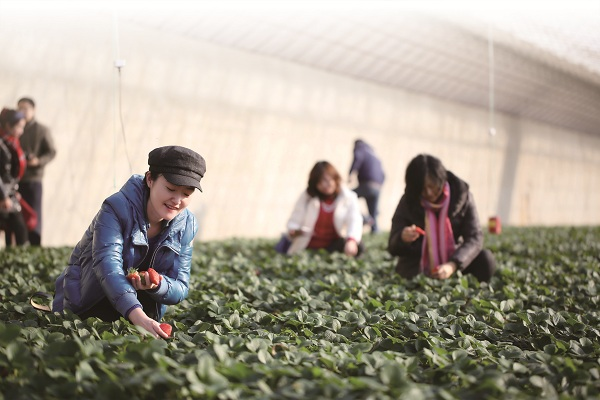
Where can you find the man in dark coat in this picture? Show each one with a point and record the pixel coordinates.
(39, 149)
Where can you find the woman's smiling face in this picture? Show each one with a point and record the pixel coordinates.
(166, 200)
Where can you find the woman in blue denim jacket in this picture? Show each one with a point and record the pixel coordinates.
(146, 224)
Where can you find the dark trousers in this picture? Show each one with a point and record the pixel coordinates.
(482, 267)
(107, 313)
(32, 193)
(14, 226)
(370, 192)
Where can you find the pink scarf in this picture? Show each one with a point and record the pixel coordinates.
(438, 241)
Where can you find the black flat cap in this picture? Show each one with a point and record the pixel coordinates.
(179, 165)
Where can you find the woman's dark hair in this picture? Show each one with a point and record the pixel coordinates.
(153, 175)
(10, 117)
(317, 172)
(420, 167)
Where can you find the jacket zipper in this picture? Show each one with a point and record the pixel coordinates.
(151, 265)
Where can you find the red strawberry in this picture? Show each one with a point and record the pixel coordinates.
(131, 272)
(154, 276)
(166, 328)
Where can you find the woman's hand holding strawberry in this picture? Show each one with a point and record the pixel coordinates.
(138, 317)
(144, 280)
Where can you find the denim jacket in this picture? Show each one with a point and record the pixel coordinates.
(116, 240)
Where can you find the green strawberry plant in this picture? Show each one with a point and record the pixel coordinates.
(258, 324)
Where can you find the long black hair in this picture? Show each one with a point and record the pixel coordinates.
(423, 165)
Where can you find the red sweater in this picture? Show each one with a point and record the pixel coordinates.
(324, 232)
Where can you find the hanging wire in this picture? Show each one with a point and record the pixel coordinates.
(122, 123)
(115, 88)
(119, 64)
(492, 128)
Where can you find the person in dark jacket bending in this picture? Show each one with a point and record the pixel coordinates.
(369, 172)
(146, 224)
(435, 229)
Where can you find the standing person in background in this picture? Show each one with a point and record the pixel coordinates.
(370, 177)
(326, 216)
(12, 167)
(39, 150)
(435, 229)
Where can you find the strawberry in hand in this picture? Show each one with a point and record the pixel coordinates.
(166, 328)
(154, 276)
(131, 273)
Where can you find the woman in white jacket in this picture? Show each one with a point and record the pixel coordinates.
(326, 216)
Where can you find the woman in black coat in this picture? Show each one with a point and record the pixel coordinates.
(435, 229)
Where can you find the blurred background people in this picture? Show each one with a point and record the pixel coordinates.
(39, 150)
(326, 216)
(12, 167)
(369, 173)
(435, 229)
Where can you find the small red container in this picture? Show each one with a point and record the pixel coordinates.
(494, 225)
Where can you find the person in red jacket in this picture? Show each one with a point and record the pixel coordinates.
(12, 167)
(435, 229)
